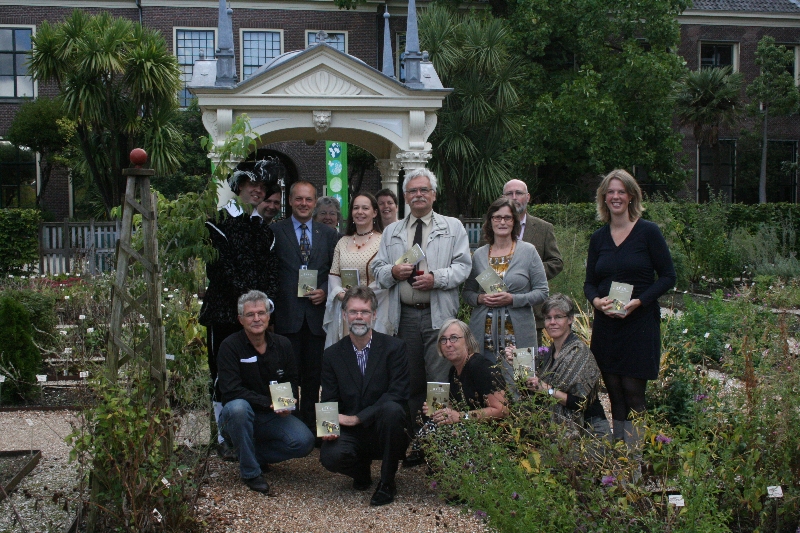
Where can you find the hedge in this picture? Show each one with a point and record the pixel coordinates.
(19, 239)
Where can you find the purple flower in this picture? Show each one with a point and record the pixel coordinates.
(607, 481)
(663, 439)
(433, 484)
(480, 514)
(514, 496)
(700, 397)
(543, 349)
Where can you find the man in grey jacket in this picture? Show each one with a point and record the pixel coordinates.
(422, 296)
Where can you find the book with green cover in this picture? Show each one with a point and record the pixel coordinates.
(620, 295)
(282, 397)
(491, 282)
(524, 363)
(438, 396)
(328, 419)
(306, 282)
(412, 256)
(350, 278)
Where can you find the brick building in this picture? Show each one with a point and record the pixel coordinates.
(713, 33)
(716, 33)
(263, 29)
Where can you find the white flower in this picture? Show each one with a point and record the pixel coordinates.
(43, 276)
(67, 351)
(78, 274)
(166, 289)
(175, 290)
(89, 330)
(194, 296)
(66, 297)
(707, 335)
(685, 331)
(81, 317)
(167, 315)
(63, 332)
(170, 296)
(10, 275)
(23, 277)
(727, 346)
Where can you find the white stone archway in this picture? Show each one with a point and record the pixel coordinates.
(321, 93)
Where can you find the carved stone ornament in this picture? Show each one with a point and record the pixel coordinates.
(322, 121)
(322, 83)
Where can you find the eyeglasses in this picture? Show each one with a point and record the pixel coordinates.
(421, 190)
(514, 194)
(452, 338)
(260, 314)
(502, 218)
(353, 312)
(554, 318)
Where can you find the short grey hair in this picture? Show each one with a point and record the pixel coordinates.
(559, 301)
(417, 172)
(328, 201)
(469, 338)
(360, 292)
(252, 297)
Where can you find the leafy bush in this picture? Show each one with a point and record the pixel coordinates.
(20, 360)
(19, 240)
(41, 308)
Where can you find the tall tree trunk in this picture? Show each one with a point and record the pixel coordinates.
(762, 180)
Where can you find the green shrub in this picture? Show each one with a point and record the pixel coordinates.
(20, 360)
(19, 240)
(41, 307)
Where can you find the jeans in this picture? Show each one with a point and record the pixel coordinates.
(263, 437)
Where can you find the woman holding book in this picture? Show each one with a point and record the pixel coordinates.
(351, 259)
(567, 370)
(477, 390)
(503, 314)
(627, 342)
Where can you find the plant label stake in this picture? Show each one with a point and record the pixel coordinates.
(676, 500)
(2, 380)
(41, 378)
(30, 425)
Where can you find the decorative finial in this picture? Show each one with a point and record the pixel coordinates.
(322, 37)
(388, 62)
(138, 157)
(412, 57)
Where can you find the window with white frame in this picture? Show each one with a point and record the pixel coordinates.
(716, 170)
(15, 48)
(258, 47)
(716, 55)
(188, 45)
(337, 39)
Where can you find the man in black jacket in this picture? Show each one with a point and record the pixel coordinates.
(248, 362)
(367, 374)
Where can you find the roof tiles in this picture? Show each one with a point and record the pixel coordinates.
(758, 6)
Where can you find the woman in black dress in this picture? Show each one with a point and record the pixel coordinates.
(633, 251)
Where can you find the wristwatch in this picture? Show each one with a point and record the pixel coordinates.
(551, 391)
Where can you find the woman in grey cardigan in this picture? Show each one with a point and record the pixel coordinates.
(505, 317)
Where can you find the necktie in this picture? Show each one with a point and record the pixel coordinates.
(417, 240)
(305, 246)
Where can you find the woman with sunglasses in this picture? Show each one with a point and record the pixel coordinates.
(506, 317)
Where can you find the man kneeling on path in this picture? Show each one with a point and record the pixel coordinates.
(248, 361)
(367, 374)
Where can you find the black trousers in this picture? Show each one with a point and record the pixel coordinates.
(386, 440)
(308, 349)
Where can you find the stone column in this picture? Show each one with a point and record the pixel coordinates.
(390, 171)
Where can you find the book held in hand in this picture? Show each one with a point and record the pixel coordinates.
(438, 396)
(413, 256)
(327, 419)
(524, 364)
(620, 294)
(491, 282)
(306, 282)
(350, 278)
(282, 397)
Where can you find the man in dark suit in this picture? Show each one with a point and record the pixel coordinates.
(302, 244)
(537, 232)
(367, 374)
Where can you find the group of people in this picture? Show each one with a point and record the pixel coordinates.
(374, 345)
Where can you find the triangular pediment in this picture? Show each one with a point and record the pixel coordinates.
(320, 71)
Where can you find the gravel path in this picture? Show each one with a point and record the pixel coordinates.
(304, 496)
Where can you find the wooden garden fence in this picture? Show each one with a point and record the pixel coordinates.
(86, 247)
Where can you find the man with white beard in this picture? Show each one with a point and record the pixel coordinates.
(367, 374)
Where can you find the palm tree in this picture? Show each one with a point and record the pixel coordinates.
(480, 121)
(119, 84)
(707, 100)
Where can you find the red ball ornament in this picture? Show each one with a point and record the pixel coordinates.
(138, 157)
